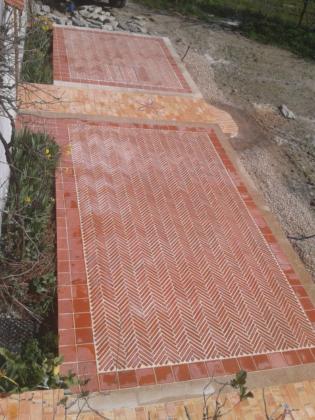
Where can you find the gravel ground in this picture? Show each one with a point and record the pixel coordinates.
(251, 81)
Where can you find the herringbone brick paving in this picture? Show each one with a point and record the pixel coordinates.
(116, 59)
(166, 269)
(177, 268)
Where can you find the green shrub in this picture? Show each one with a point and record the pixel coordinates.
(30, 198)
(33, 368)
(37, 60)
(27, 245)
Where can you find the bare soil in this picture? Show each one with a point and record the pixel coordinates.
(251, 81)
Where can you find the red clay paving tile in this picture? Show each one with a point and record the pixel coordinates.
(164, 374)
(115, 59)
(81, 305)
(84, 335)
(300, 291)
(66, 338)
(64, 292)
(198, 370)
(92, 383)
(262, 362)
(277, 360)
(66, 368)
(306, 356)
(181, 372)
(291, 358)
(127, 379)
(145, 376)
(108, 381)
(177, 269)
(85, 352)
(65, 306)
(87, 368)
(215, 368)
(230, 366)
(247, 363)
(306, 303)
(82, 320)
(69, 353)
(65, 321)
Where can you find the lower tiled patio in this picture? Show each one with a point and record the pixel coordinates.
(167, 270)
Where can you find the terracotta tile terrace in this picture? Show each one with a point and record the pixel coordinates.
(167, 268)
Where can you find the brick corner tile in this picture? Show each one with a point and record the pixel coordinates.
(91, 384)
(108, 381)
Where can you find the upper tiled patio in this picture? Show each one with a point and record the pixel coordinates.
(90, 56)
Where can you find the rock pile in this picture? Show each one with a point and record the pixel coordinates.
(92, 16)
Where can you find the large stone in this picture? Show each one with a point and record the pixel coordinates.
(45, 8)
(286, 112)
(78, 22)
(60, 21)
(94, 22)
(97, 10)
(85, 13)
(107, 27)
(104, 19)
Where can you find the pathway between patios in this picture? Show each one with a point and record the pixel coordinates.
(167, 268)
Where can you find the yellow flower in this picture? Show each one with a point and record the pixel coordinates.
(27, 199)
(47, 151)
(56, 370)
(68, 150)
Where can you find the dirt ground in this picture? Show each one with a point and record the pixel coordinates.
(251, 81)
